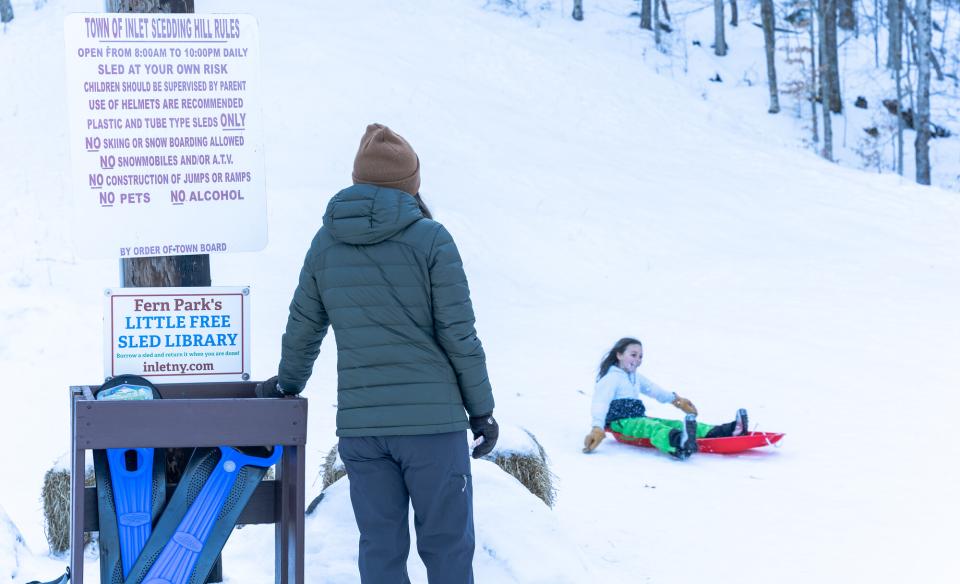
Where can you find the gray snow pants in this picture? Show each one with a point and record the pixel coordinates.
(386, 473)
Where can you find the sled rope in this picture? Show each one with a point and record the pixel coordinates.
(765, 437)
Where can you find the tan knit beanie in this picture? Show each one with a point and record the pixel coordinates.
(387, 160)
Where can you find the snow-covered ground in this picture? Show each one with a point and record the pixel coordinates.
(595, 190)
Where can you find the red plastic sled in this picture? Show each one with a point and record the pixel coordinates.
(729, 445)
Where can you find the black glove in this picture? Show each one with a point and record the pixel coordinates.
(487, 427)
(269, 388)
(61, 580)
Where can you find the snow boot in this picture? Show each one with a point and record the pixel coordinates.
(740, 425)
(676, 438)
(688, 436)
(684, 440)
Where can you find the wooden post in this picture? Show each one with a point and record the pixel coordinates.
(78, 472)
(165, 271)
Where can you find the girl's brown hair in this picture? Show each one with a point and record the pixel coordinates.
(611, 358)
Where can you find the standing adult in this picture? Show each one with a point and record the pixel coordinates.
(412, 374)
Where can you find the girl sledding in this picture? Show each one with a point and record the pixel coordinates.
(617, 408)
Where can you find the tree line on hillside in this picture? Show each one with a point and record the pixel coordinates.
(6, 7)
(910, 59)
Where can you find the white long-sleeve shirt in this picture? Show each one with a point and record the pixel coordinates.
(617, 384)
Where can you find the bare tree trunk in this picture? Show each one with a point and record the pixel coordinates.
(666, 11)
(645, 15)
(876, 33)
(577, 9)
(167, 271)
(848, 15)
(831, 57)
(6, 11)
(825, 7)
(163, 270)
(899, 121)
(933, 58)
(922, 118)
(895, 62)
(814, 53)
(908, 42)
(769, 42)
(943, 37)
(719, 43)
(176, 6)
(656, 22)
(734, 19)
(895, 25)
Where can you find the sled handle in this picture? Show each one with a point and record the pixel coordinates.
(766, 438)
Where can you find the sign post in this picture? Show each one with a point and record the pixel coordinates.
(166, 140)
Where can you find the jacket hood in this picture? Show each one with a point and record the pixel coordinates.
(615, 369)
(365, 214)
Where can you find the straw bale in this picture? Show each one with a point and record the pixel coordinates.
(528, 464)
(55, 495)
(332, 468)
(530, 467)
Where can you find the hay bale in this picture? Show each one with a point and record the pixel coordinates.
(332, 468)
(518, 453)
(55, 495)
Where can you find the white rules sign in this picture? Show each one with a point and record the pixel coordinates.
(173, 335)
(166, 133)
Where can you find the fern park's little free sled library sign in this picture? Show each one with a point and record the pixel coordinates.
(166, 131)
(178, 334)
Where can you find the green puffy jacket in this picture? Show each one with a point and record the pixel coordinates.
(391, 283)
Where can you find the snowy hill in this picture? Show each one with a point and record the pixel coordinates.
(12, 548)
(593, 194)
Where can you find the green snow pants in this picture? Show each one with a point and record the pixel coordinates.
(657, 430)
